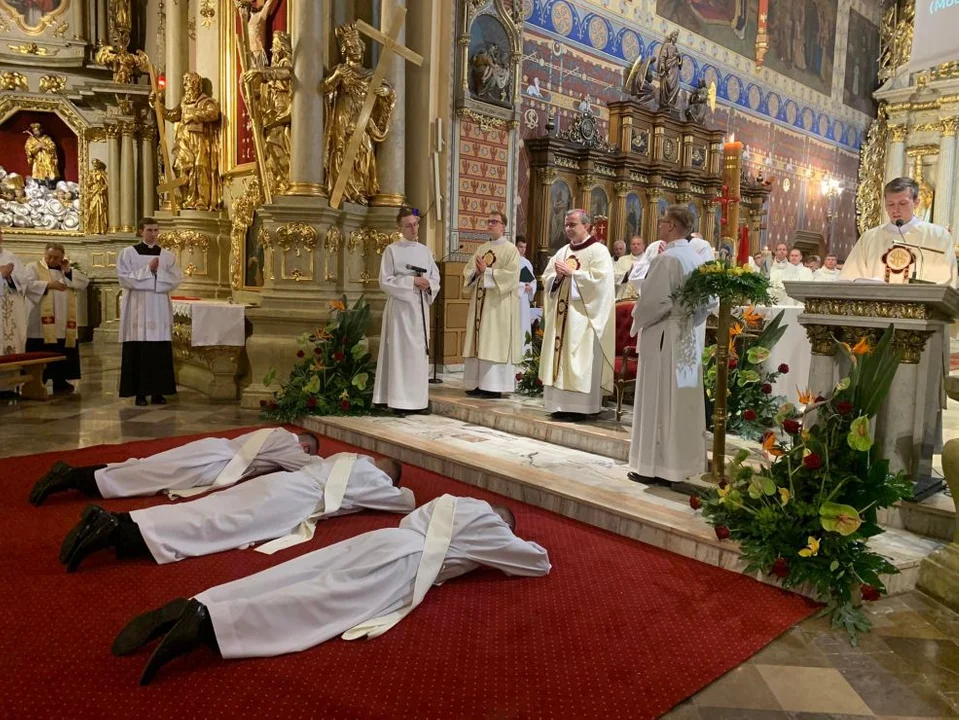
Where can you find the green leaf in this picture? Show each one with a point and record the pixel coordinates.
(360, 380)
(842, 519)
(859, 437)
(769, 485)
(757, 354)
(740, 456)
(270, 377)
(747, 376)
(834, 566)
(313, 386)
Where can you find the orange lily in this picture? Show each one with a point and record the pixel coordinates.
(337, 305)
(735, 330)
(806, 397)
(751, 316)
(769, 445)
(862, 347)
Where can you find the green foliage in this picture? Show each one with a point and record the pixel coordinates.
(334, 375)
(527, 380)
(807, 516)
(723, 280)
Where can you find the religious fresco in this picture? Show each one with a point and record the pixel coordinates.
(802, 41)
(634, 216)
(730, 23)
(30, 12)
(560, 202)
(862, 63)
(598, 203)
(490, 76)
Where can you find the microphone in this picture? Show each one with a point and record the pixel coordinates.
(417, 270)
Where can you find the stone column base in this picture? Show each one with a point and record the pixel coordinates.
(939, 576)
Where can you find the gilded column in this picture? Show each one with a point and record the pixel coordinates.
(306, 129)
(651, 231)
(585, 183)
(128, 179)
(546, 176)
(709, 222)
(177, 54)
(895, 152)
(945, 180)
(148, 169)
(101, 21)
(617, 223)
(391, 153)
(113, 176)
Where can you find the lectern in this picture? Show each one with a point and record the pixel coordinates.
(909, 424)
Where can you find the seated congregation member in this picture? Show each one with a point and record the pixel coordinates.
(52, 288)
(828, 272)
(190, 469)
(623, 268)
(284, 505)
(357, 588)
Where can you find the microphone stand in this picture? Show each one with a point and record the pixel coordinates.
(436, 324)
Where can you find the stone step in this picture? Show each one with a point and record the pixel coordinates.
(588, 487)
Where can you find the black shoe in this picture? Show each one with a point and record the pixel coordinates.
(148, 626)
(57, 480)
(63, 387)
(644, 480)
(475, 392)
(93, 532)
(158, 400)
(141, 400)
(490, 395)
(192, 629)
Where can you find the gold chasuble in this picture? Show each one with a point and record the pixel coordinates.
(579, 315)
(495, 334)
(48, 318)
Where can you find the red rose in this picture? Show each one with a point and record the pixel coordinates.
(338, 356)
(300, 353)
(844, 407)
(767, 389)
(311, 402)
(792, 426)
(733, 363)
(870, 593)
(819, 399)
(519, 376)
(784, 368)
(262, 403)
(273, 405)
(812, 461)
(345, 404)
(749, 415)
(780, 568)
(694, 502)
(722, 532)
(317, 351)
(538, 381)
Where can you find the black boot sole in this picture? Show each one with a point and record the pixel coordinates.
(50, 483)
(147, 627)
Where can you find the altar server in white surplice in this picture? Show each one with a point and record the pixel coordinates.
(931, 244)
(13, 311)
(637, 275)
(357, 588)
(623, 268)
(191, 469)
(828, 272)
(147, 275)
(669, 417)
(403, 363)
(579, 313)
(701, 247)
(282, 507)
(494, 341)
(526, 292)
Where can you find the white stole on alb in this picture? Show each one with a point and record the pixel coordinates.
(234, 469)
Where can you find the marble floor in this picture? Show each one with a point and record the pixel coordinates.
(907, 668)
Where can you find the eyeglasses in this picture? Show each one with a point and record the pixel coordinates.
(495, 222)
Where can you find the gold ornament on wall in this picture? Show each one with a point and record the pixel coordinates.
(126, 66)
(872, 163)
(272, 89)
(208, 13)
(97, 199)
(243, 211)
(41, 153)
(13, 81)
(53, 83)
(34, 49)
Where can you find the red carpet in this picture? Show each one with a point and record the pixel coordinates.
(618, 629)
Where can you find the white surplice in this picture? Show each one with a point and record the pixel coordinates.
(623, 270)
(35, 288)
(317, 596)
(669, 414)
(13, 306)
(402, 366)
(932, 246)
(826, 275)
(526, 302)
(146, 313)
(263, 508)
(702, 248)
(197, 465)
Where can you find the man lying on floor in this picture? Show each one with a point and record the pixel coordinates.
(191, 469)
(284, 505)
(359, 587)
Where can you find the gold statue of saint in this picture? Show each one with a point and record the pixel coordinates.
(195, 144)
(344, 91)
(275, 96)
(96, 221)
(41, 154)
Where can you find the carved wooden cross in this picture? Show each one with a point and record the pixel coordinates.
(170, 181)
(252, 105)
(388, 41)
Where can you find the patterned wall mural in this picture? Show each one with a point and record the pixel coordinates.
(483, 177)
(862, 63)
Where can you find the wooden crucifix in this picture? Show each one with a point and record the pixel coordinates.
(243, 11)
(170, 181)
(388, 41)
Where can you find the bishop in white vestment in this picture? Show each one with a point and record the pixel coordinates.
(357, 588)
(147, 275)
(282, 507)
(669, 415)
(13, 312)
(494, 341)
(576, 364)
(191, 469)
(403, 363)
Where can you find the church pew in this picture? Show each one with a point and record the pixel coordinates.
(26, 370)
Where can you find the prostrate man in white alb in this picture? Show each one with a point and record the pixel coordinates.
(147, 274)
(411, 281)
(930, 245)
(579, 315)
(13, 311)
(526, 290)
(357, 588)
(668, 442)
(52, 287)
(191, 469)
(494, 340)
(285, 505)
(828, 272)
(623, 268)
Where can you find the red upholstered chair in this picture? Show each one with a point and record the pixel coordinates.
(627, 362)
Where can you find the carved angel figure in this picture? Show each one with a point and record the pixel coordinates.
(126, 66)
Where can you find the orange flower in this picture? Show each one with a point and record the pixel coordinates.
(539, 332)
(769, 445)
(337, 305)
(751, 316)
(732, 349)
(806, 397)
(735, 330)
(862, 347)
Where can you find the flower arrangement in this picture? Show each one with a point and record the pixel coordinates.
(718, 278)
(334, 373)
(527, 380)
(806, 517)
(750, 405)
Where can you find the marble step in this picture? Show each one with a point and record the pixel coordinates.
(588, 487)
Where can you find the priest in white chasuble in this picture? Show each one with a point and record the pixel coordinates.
(494, 339)
(579, 309)
(933, 257)
(828, 272)
(411, 281)
(52, 288)
(147, 274)
(668, 441)
(623, 268)
(13, 309)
